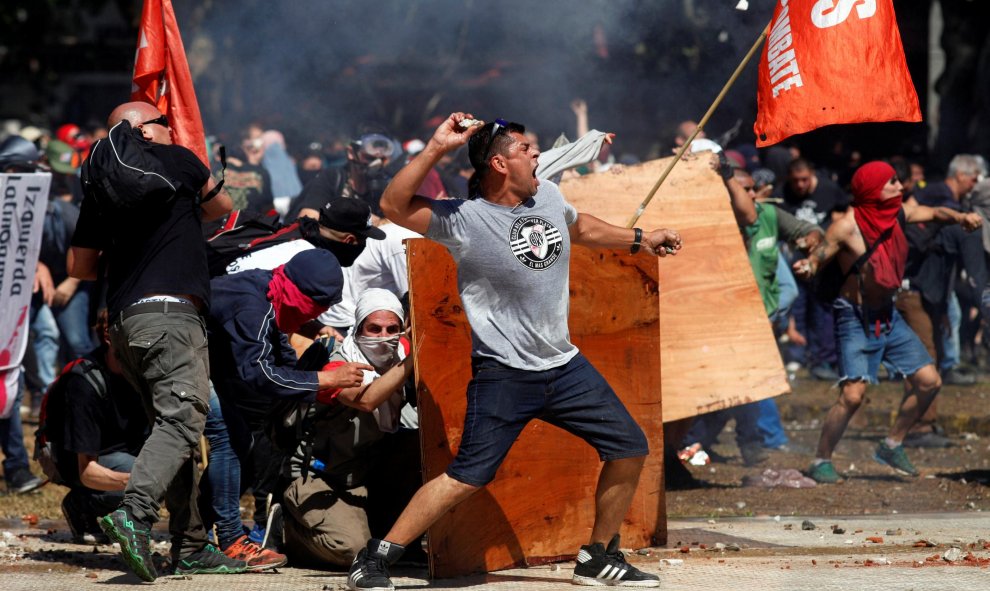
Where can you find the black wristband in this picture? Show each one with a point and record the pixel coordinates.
(637, 239)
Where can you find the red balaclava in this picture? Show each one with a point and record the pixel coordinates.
(874, 216)
(292, 307)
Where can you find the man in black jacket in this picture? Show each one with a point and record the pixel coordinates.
(158, 286)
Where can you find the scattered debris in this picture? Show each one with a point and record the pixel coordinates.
(882, 561)
(672, 562)
(786, 478)
(924, 544)
(894, 532)
(838, 530)
(733, 547)
(788, 526)
(807, 525)
(685, 549)
(952, 555)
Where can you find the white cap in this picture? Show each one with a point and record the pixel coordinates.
(413, 147)
(705, 145)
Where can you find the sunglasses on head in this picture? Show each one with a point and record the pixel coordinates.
(160, 120)
(499, 126)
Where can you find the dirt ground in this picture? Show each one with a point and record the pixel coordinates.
(953, 479)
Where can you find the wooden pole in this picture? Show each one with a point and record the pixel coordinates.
(701, 125)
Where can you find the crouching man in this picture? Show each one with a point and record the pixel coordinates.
(359, 467)
(94, 426)
(253, 365)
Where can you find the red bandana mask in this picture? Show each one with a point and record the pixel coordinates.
(292, 307)
(874, 215)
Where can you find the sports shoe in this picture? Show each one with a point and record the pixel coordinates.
(753, 453)
(895, 458)
(135, 542)
(22, 481)
(824, 473)
(369, 571)
(81, 522)
(933, 439)
(252, 554)
(600, 566)
(958, 377)
(824, 372)
(209, 561)
(257, 534)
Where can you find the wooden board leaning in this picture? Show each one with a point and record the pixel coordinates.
(540, 508)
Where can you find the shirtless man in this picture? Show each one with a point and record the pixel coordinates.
(868, 328)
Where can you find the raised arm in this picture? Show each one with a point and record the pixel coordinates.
(399, 203)
(944, 215)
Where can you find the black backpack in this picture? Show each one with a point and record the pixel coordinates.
(51, 421)
(122, 173)
(244, 232)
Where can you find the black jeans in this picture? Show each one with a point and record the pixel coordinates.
(162, 350)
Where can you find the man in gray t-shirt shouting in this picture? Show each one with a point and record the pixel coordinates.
(511, 240)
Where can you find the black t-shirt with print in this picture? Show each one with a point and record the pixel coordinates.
(158, 249)
(96, 425)
(817, 207)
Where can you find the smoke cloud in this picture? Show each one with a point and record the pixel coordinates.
(316, 69)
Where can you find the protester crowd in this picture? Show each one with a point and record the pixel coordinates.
(288, 288)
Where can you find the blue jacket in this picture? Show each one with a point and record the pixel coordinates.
(246, 344)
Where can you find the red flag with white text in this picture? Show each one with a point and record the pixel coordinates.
(162, 78)
(832, 61)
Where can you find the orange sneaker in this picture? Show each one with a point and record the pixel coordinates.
(256, 557)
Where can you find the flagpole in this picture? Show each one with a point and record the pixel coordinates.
(701, 125)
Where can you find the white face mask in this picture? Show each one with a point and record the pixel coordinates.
(381, 352)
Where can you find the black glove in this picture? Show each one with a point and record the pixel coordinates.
(724, 168)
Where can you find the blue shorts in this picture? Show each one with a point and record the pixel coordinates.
(575, 397)
(861, 349)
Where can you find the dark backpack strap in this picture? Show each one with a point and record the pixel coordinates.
(870, 249)
(94, 375)
(223, 167)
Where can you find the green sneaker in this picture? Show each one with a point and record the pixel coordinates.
(824, 473)
(135, 542)
(209, 561)
(895, 458)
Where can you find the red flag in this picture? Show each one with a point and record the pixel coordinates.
(161, 76)
(828, 62)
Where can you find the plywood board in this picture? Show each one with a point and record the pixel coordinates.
(718, 347)
(540, 507)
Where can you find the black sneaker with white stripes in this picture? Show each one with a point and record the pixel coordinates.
(607, 567)
(369, 571)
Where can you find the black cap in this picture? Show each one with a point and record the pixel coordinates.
(350, 215)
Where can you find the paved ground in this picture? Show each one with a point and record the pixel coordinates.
(773, 554)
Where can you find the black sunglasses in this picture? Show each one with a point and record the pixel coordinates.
(161, 120)
(499, 126)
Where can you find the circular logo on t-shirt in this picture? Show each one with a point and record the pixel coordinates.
(535, 242)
